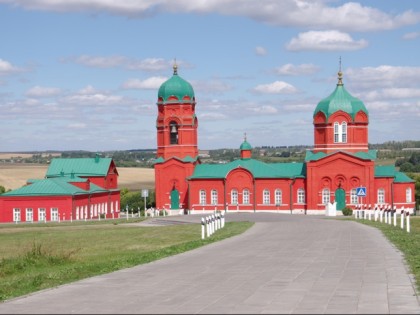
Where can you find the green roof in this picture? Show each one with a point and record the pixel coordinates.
(340, 99)
(79, 166)
(390, 171)
(175, 86)
(257, 168)
(57, 186)
(311, 156)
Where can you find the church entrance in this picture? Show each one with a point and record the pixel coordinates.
(174, 199)
(340, 198)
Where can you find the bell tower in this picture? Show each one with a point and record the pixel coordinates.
(176, 123)
(177, 150)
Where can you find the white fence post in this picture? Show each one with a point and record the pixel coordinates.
(408, 221)
(395, 215)
(402, 217)
(223, 219)
(202, 228)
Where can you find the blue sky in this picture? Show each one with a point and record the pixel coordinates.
(84, 75)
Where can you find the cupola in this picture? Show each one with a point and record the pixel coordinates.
(246, 149)
(340, 122)
(175, 90)
(340, 100)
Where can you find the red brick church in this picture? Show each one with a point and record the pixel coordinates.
(340, 167)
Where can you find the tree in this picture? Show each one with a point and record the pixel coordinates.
(2, 190)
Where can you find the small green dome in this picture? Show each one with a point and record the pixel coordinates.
(175, 86)
(245, 146)
(340, 99)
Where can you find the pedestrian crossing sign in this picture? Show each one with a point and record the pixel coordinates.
(361, 191)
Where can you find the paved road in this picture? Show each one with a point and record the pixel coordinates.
(284, 264)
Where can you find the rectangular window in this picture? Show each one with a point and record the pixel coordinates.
(42, 215)
(381, 195)
(203, 197)
(245, 197)
(278, 197)
(234, 197)
(16, 215)
(266, 197)
(214, 197)
(325, 196)
(301, 196)
(54, 214)
(408, 195)
(29, 214)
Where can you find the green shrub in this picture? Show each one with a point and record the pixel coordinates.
(347, 211)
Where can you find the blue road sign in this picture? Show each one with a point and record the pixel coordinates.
(361, 191)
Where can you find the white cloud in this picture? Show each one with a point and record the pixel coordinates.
(302, 69)
(152, 83)
(277, 87)
(411, 36)
(350, 16)
(7, 68)
(213, 116)
(264, 109)
(392, 93)
(211, 86)
(325, 41)
(260, 51)
(40, 91)
(90, 96)
(147, 64)
(367, 78)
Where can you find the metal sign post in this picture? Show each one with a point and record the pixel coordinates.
(145, 194)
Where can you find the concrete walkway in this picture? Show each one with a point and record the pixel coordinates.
(284, 264)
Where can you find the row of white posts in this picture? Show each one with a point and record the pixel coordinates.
(383, 213)
(211, 224)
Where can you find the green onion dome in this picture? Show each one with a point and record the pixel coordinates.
(245, 145)
(342, 100)
(175, 87)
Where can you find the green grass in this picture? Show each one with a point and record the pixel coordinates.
(39, 256)
(407, 243)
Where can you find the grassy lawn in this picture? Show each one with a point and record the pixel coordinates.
(39, 256)
(407, 243)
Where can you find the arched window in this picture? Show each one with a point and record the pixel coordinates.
(245, 197)
(354, 200)
(266, 197)
(336, 132)
(234, 197)
(408, 195)
(278, 197)
(301, 195)
(381, 195)
(340, 132)
(173, 132)
(203, 197)
(325, 196)
(344, 132)
(214, 197)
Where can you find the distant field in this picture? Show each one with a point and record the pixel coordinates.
(13, 176)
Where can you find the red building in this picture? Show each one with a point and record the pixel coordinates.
(338, 169)
(73, 189)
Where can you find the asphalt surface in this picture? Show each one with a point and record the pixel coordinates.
(284, 264)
